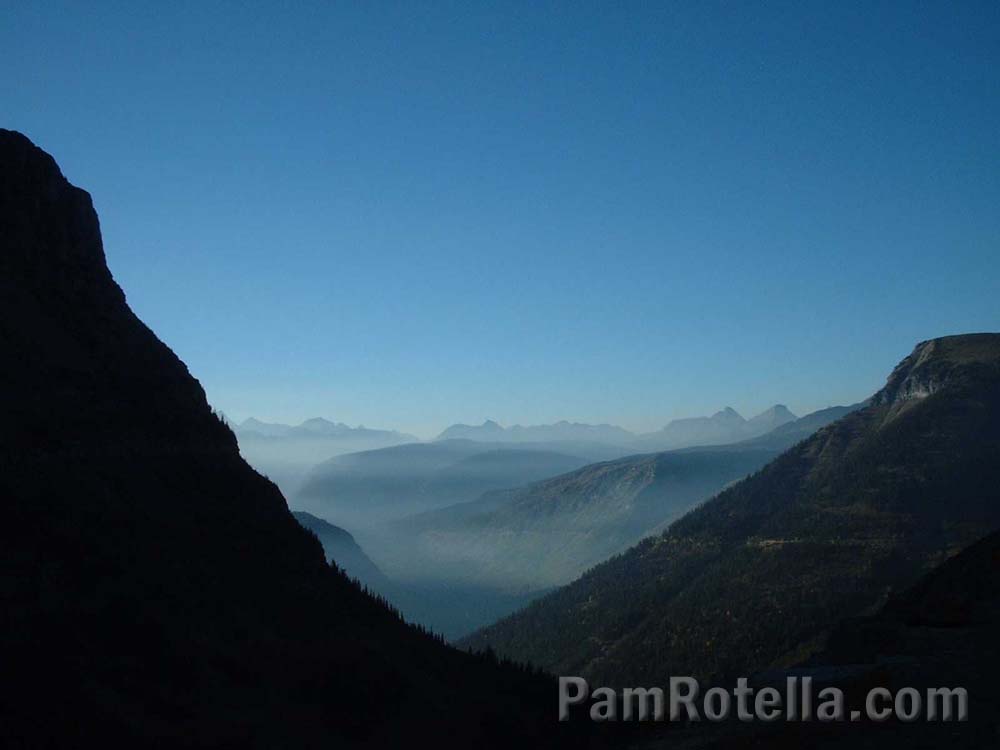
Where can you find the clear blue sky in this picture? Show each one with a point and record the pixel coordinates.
(411, 214)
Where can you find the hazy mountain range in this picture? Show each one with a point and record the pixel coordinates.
(318, 427)
(549, 532)
(286, 453)
(359, 490)
(507, 522)
(490, 431)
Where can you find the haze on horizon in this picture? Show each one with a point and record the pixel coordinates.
(413, 215)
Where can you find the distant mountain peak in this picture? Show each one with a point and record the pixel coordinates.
(772, 417)
(778, 409)
(324, 426)
(725, 426)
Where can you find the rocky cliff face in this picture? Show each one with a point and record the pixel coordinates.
(154, 589)
(950, 362)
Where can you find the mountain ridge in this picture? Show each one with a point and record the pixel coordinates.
(724, 426)
(316, 426)
(491, 431)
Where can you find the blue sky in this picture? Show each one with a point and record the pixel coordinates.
(412, 214)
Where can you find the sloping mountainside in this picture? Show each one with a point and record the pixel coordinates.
(340, 548)
(759, 574)
(550, 532)
(941, 632)
(787, 434)
(362, 489)
(155, 590)
(285, 453)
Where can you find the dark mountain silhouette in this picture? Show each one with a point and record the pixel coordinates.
(341, 548)
(359, 490)
(758, 575)
(550, 532)
(155, 590)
